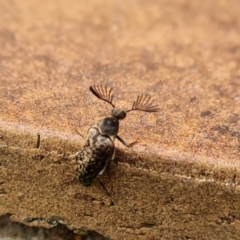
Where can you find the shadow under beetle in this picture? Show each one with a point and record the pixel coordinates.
(99, 146)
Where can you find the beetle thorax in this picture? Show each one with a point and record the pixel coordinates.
(109, 126)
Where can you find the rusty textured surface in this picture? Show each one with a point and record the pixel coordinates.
(182, 178)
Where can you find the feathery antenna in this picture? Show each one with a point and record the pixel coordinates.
(103, 93)
(144, 103)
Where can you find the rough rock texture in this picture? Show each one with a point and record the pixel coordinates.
(182, 179)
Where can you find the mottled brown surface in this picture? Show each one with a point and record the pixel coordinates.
(181, 181)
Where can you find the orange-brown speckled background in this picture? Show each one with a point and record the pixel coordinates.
(185, 54)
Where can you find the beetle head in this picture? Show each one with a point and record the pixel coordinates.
(118, 113)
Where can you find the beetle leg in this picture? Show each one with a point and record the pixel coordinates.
(79, 133)
(103, 170)
(114, 152)
(125, 143)
(112, 158)
(38, 140)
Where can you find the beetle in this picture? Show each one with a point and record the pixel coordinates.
(99, 146)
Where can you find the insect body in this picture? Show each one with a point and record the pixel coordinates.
(99, 147)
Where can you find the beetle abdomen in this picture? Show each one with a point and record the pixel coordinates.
(95, 154)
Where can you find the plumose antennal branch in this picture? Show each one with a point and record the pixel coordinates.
(144, 103)
(102, 92)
